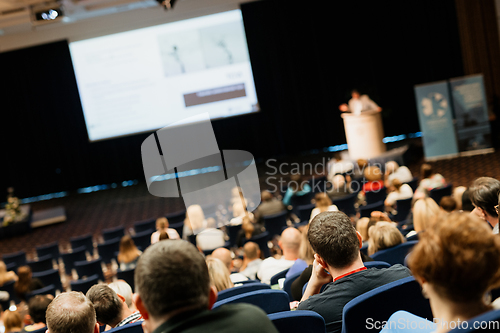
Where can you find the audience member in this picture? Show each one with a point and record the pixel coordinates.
(12, 321)
(323, 203)
(457, 194)
(340, 187)
(239, 212)
(207, 237)
(384, 235)
(6, 276)
(123, 289)
(425, 211)
(219, 274)
(373, 176)
(163, 236)
(111, 308)
(398, 191)
(162, 225)
(467, 205)
(394, 171)
(456, 262)
(358, 172)
(290, 244)
(174, 293)
(128, 253)
(251, 260)
(429, 179)
(298, 187)
(226, 256)
(269, 205)
(71, 312)
(26, 283)
(37, 306)
(362, 228)
(338, 263)
(484, 193)
(248, 230)
(339, 165)
(448, 204)
(306, 255)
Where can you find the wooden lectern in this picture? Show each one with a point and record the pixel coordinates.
(364, 134)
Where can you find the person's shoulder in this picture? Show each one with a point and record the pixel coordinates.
(245, 318)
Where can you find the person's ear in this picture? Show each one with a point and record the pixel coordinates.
(212, 297)
(360, 239)
(96, 328)
(121, 297)
(320, 261)
(140, 306)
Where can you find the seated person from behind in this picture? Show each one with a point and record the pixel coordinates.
(162, 225)
(174, 294)
(251, 260)
(323, 204)
(226, 256)
(123, 289)
(26, 283)
(483, 194)
(306, 255)
(207, 237)
(12, 321)
(340, 188)
(298, 189)
(448, 204)
(37, 306)
(429, 179)
(219, 274)
(399, 191)
(394, 171)
(374, 182)
(383, 235)
(456, 261)
(71, 312)
(269, 205)
(338, 264)
(290, 244)
(128, 254)
(248, 230)
(111, 308)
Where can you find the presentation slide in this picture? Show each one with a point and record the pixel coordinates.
(142, 80)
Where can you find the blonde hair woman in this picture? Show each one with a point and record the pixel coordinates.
(383, 235)
(323, 204)
(162, 226)
(219, 274)
(128, 254)
(425, 212)
(6, 276)
(12, 321)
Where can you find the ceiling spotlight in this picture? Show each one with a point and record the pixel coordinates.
(167, 4)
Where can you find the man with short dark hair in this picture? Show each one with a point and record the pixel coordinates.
(484, 196)
(338, 264)
(110, 308)
(173, 293)
(71, 312)
(37, 306)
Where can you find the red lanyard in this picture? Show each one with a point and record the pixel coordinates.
(349, 273)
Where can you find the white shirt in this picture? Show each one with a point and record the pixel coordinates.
(237, 277)
(210, 239)
(402, 173)
(172, 234)
(316, 211)
(361, 104)
(271, 267)
(405, 192)
(252, 268)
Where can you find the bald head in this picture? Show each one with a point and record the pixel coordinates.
(290, 240)
(223, 255)
(71, 312)
(251, 250)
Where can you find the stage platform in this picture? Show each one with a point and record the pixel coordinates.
(48, 216)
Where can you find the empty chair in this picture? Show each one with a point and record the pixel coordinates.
(376, 196)
(261, 240)
(275, 278)
(48, 290)
(126, 275)
(298, 321)
(85, 240)
(366, 210)
(287, 285)
(89, 268)
(396, 254)
(403, 208)
(145, 225)
(42, 264)
(50, 277)
(142, 239)
(380, 303)
(376, 264)
(112, 233)
(269, 300)
(245, 288)
(19, 258)
(304, 211)
(84, 285)
(129, 328)
(346, 204)
(69, 259)
(274, 223)
(52, 249)
(108, 249)
(176, 217)
(438, 193)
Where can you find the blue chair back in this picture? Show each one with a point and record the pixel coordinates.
(275, 223)
(376, 196)
(366, 210)
(376, 264)
(112, 233)
(490, 322)
(51, 276)
(303, 321)
(245, 288)
(380, 303)
(277, 276)
(261, 240)
(89, 268)
(126, 275)
(52, 249)
(176, 217)
(269, 300)
(85, 240)
(438, 193)
(145, 225)
(246, 282)
(346, 204)
(142, 239)
(69, 259)
(42, 264)
(9, 287)
(364, 249)
(304, 211)
(84, 285)
(129, 328)
(287, 285)
(107, 250)
(19, 258)
(48, 290)
(403, 208)
(396, 254)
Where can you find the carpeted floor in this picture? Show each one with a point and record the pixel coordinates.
(93, 212)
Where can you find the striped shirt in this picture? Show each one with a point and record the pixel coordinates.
(134, 317)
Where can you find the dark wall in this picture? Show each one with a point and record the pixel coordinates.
(305, 62)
